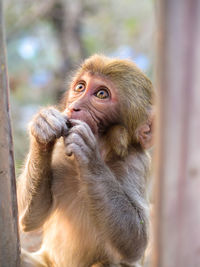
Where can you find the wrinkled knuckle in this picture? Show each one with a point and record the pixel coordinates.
(56, 113)
(37, 120)
(57, 128)
(59, 124)
(43, 112)
(75, 128)
(51, 133)
(81, 129)
(84, 125)
(74, 137)
(72, 130)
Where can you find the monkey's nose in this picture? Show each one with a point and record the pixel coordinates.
(76, 109)
(72, 111)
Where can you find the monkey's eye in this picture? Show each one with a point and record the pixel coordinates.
(102, 94)
(79, 87)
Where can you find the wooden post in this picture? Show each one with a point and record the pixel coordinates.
(177, 239)
(9, 238)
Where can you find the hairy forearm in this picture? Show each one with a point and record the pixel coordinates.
(122, 219)
(34, 186)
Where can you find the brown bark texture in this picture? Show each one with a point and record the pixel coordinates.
(177, 227)
(9, 238)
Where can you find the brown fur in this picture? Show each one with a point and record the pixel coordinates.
(92, 204)
(135, 89)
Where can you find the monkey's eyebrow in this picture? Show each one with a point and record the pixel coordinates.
(80, 81)
(102, 86)
(77, 81)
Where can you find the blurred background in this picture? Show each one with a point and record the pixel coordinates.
(46, 40)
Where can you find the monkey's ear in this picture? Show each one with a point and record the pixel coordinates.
(118, 139)
(144, 133)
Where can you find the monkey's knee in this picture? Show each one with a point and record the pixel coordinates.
(32, 259)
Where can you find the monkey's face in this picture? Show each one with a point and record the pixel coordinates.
(93, 99)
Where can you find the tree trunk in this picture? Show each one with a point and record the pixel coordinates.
(9, 238)
(177, 239)
(65, 16)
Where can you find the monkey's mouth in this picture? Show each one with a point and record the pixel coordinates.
(84, 116)
(69, 124)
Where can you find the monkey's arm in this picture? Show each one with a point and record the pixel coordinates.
(119, 209)
(34, 185)
(34, 195)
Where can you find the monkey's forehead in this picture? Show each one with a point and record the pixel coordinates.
(85, 74)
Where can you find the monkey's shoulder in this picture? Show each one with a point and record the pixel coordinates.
(136, 159)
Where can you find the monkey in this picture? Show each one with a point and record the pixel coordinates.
(86, 174)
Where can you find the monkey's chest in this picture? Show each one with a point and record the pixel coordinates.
(71, 227)
(73, 209)
(74, 236)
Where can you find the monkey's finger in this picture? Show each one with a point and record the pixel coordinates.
(51, 119)
(65, 117)
(56, 128)
(43, 133)
(74, 138)
(65, 125)
(55, 120)
(59, 115)
(77, 152)
(84, 130)
(65, 130)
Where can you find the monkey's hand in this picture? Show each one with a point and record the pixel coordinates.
(81, 142)
(48, 125)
